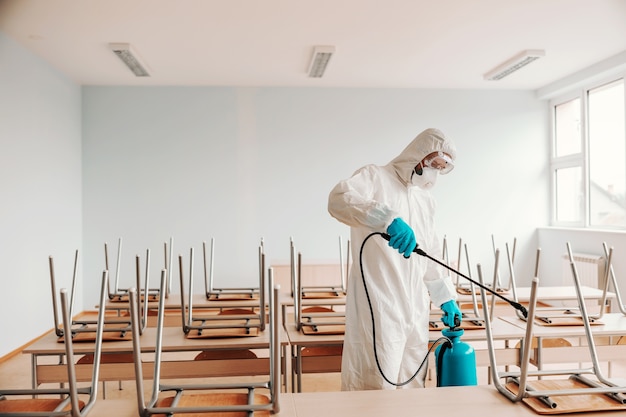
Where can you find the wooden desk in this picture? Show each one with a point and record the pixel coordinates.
(614, 324)
(558, 293)
(174, 342)
(477, 401)
(301, 364)
(501, 330)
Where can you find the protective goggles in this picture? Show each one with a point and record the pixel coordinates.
(439, 161)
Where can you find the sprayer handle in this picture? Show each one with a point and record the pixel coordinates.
(416, 250)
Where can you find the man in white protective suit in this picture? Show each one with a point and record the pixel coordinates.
(395, 289)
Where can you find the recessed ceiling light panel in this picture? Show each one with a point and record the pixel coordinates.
(319, 60)
(129, 56)
(518, 61)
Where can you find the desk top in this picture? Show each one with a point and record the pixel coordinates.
(558, 293)
(501, 330)
(174, 340)
(477, 401)
(613, 324)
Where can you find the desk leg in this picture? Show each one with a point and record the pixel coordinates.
(33, 371)
(299, 364)
(539, 360)
(283, 367)
(294, 364)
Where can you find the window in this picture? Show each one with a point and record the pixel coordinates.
(607, 170)
(589, 157)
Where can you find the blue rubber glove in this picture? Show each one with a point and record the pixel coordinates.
(401, 236)
(450, 312)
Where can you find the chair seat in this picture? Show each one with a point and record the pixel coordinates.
(215, 399)
(208, 355)
(317, 309)
(33, 405)
(237, 312)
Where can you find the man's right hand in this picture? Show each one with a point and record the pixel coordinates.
(402, 237)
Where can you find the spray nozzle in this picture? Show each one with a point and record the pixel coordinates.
(521, 308)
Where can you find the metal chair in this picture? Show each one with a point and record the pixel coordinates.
(121, 294)
(83, 329)
(61, 401)
(319, 291)
(319, 315)
(558, 393)
(237, 397)
(222, 293)
(248, 314)
(115, 328)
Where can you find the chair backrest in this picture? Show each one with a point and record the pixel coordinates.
(610, 277)
(55, 308)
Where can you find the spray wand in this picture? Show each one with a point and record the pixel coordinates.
(514, 304)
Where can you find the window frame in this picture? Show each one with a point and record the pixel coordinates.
(580, 159)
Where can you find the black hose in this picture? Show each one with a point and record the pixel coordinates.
(369, 302)
(419, 251)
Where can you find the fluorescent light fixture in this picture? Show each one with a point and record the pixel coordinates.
(319, 61)
(130, 57)
(518, 61)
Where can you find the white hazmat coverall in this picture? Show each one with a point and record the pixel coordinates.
(398, 288)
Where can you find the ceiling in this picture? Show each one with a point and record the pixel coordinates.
(390, 43)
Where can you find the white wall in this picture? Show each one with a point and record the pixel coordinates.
(40, 167)
(553, 244)
(241, 164)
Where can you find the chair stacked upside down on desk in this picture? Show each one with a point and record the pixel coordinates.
(57, 402)
(209, 398)
(558, 391)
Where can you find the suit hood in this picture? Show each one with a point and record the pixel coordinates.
(430, 140)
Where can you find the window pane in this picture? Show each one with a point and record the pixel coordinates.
(607, 155)
(569, 194)
(567, 128)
